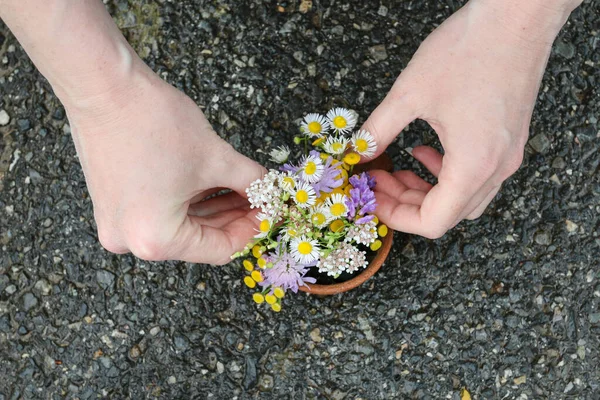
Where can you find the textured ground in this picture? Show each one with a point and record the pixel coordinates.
(507, 306)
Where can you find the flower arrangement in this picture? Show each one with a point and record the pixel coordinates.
(316, 217)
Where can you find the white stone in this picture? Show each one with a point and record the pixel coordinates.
(4, 118)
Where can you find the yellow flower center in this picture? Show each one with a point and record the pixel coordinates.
(291, 232)
(340, 122)
(276, 307)
(288, 181)
(336, 225)
(310, 168)
(318, 219)
(336, 147)
(314, 127)
(304, 248)
(362, 145)
(338, 209)
(301, 196)
(351, 158)
(265, 225)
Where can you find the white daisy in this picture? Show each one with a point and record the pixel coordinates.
(364, 144)
(265, 225)
(280, 154)
(315, 125)
(304, 250)
(341, 119)
(304, 195)
(336, 204)
(311, 169)
(287, 181)
(335, 145)
(320, 216)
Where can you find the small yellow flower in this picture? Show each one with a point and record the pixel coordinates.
(278, 292)
(347, 190)
(376, 220)
(251, 283)
(382, 230)
(336, 225)
(271, 299)
(258, 298)
(375, 245)
(248, 265)
(276, 307)
(256, 251)
(324, 156)
(257, 276)
(262, 263)
(351, 158)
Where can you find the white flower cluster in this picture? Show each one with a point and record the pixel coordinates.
(362, 234)
(345, 258)
(265, 194)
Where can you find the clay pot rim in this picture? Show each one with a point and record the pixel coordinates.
(372, 268)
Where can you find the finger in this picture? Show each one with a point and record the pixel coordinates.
(441, 207)
(412, 180)
(210, 245)
(217, 204)
(236, 171)
(206, 193)
(412, 196)
(388, 184)
(478, 211)
(222, 219)
(395, 112)
(430, 158)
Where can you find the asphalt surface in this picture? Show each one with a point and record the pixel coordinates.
(506, 306)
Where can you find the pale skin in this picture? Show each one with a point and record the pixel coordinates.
(474, 79)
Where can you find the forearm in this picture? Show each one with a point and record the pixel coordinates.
(74, 43)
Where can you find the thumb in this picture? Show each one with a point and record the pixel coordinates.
(394, 113)
(238, 171)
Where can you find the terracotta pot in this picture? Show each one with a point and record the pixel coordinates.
(383, 162)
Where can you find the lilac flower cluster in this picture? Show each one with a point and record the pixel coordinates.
(361, 202)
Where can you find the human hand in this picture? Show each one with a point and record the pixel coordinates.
(150, 157)
(474, 80)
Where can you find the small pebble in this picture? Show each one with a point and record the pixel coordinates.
(4, 118)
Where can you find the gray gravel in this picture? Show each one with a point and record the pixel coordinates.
(507, 306)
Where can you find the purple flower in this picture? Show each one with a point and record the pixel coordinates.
(285, 273)
(362, 199)
(328, 182)
(287, 167)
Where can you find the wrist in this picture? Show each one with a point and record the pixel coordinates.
(532, 20)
